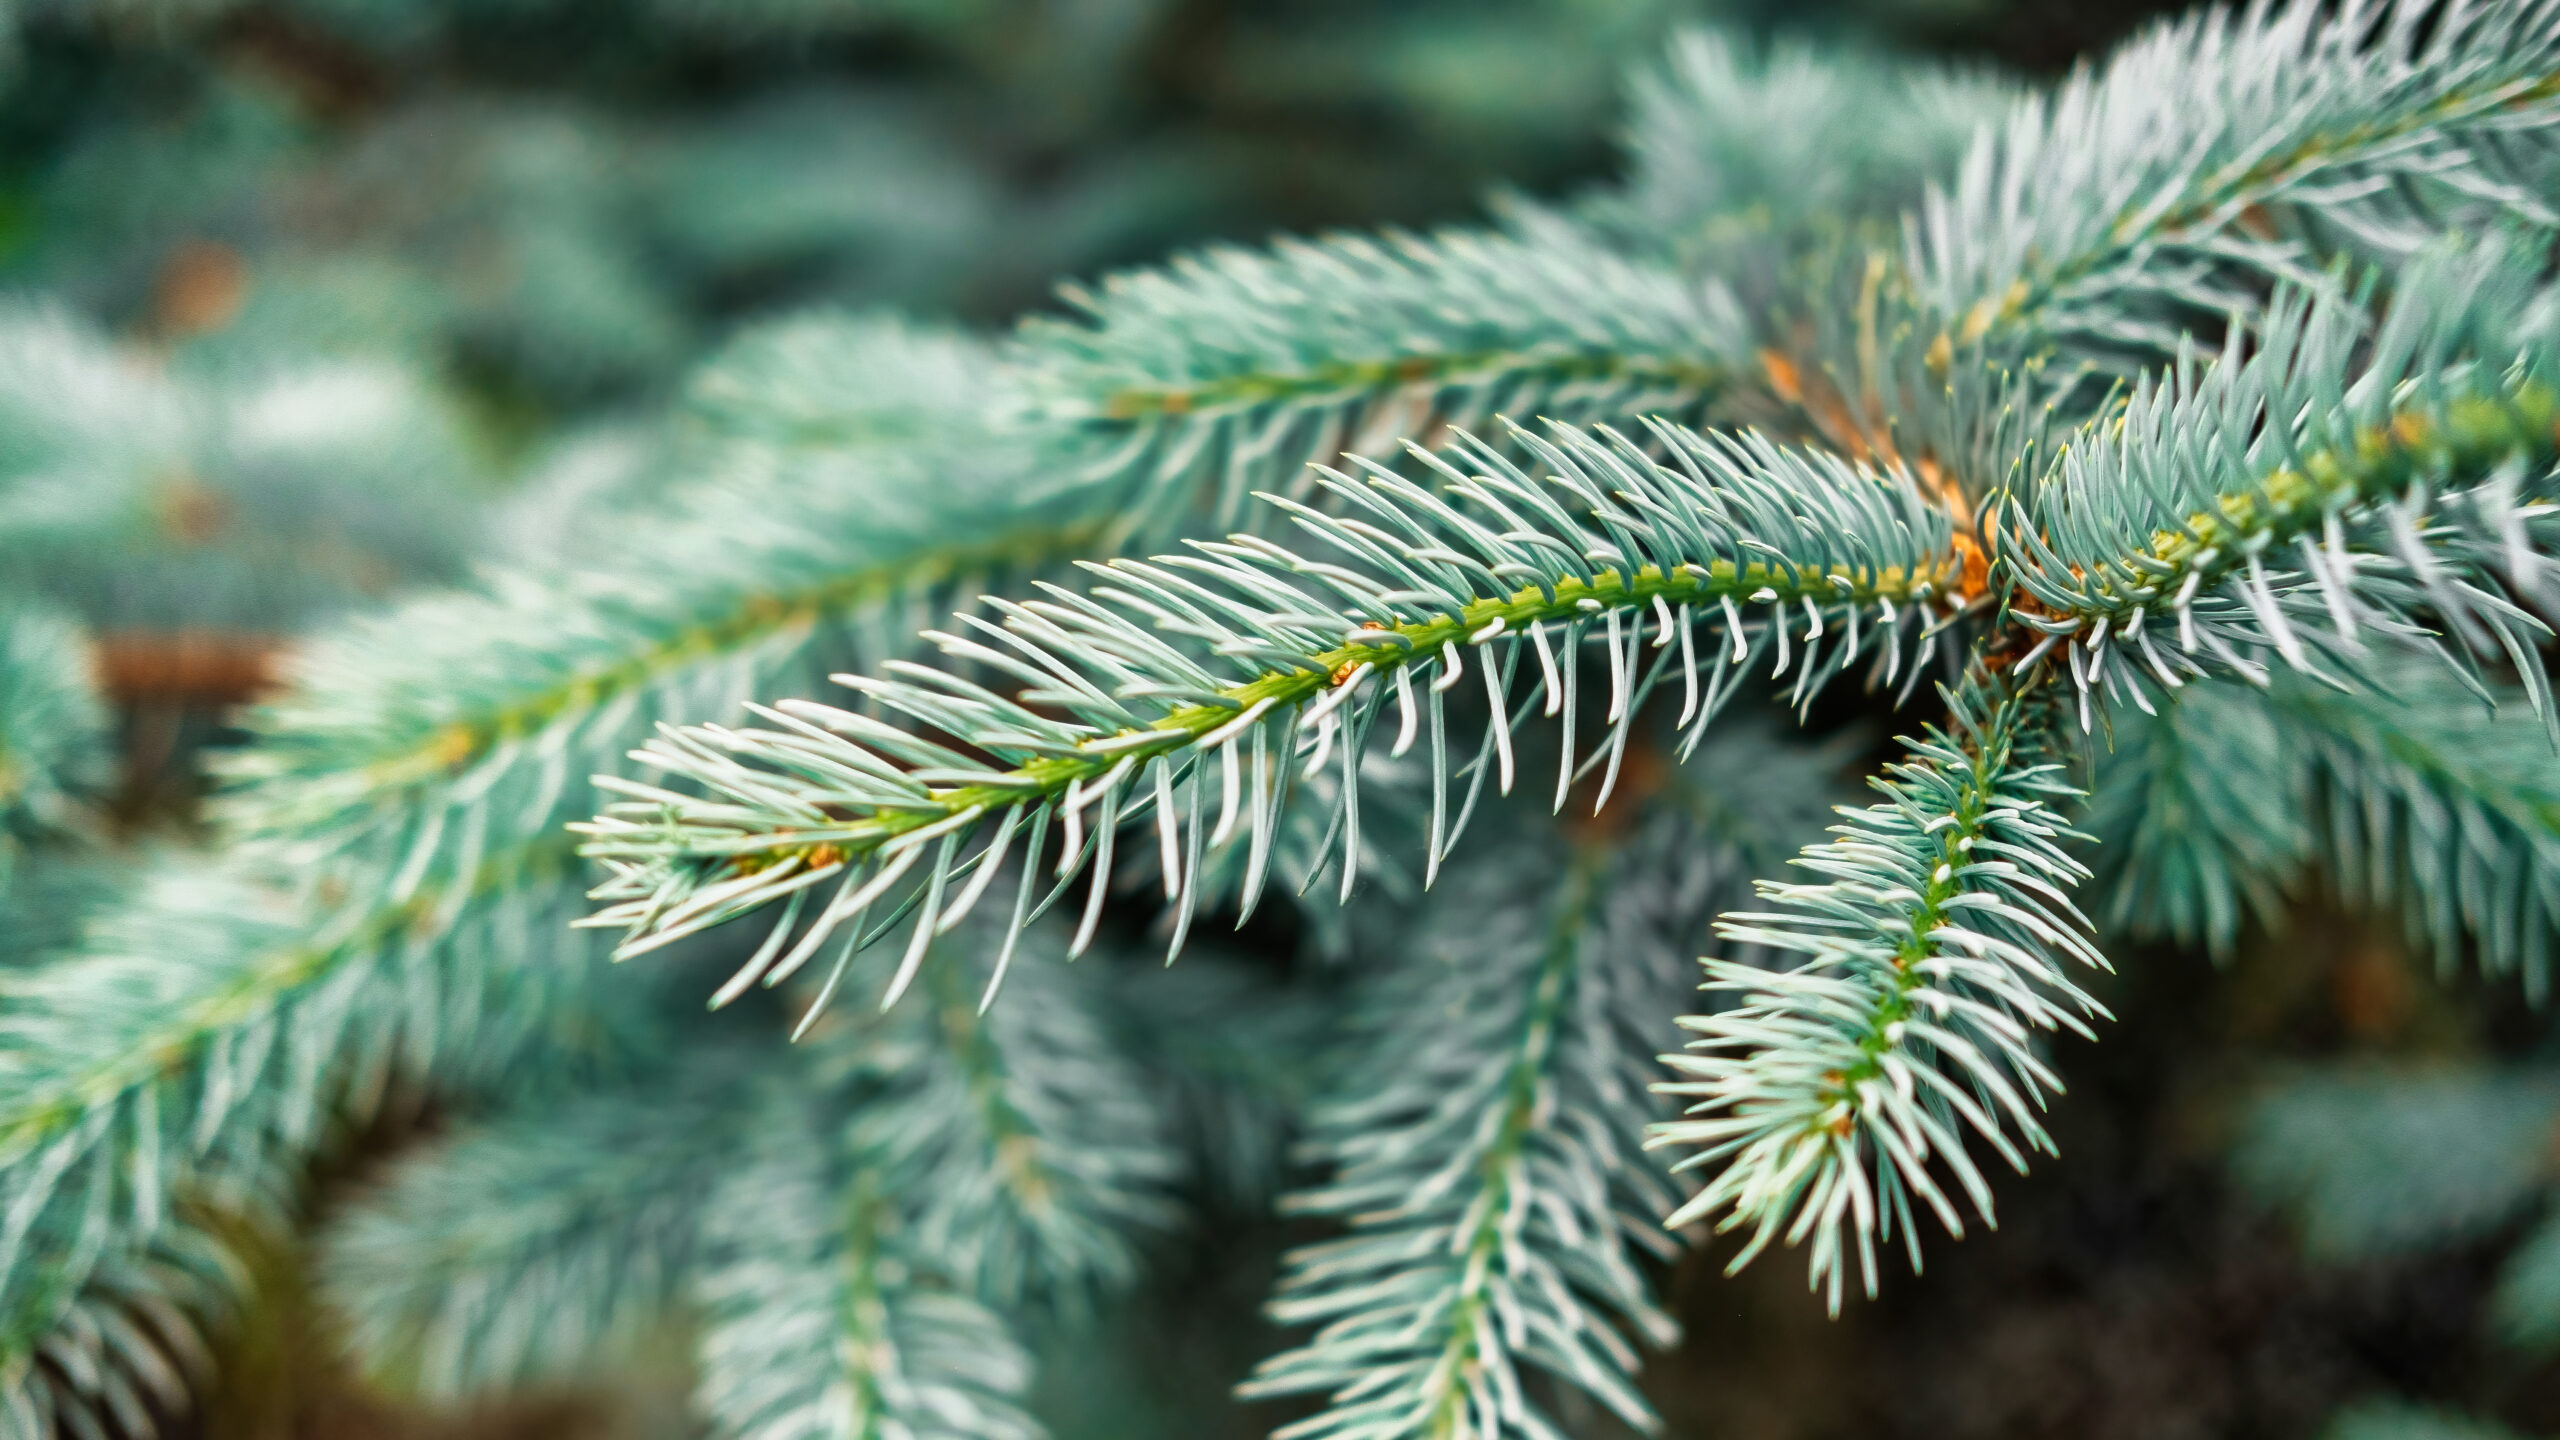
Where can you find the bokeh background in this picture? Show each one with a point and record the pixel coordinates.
(501, 230)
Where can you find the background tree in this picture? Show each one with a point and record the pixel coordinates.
(2165, 453)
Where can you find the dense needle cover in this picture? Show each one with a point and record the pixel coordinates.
(1404, 636)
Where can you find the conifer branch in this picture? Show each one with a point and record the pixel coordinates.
(276, 962)
(2328, 491)
(1227, 372)
(421, 769)
(1484, 1142)
(1522, 1260)
(1025, 1154)
(1281, 666)
(1834, 1097)
(2235, 146)
(2374, 1162)
(1014, 1154)
(1743, 155)
(121, 1352)
(2199, 817)
(806, 531)
(2428, 802)
(52, 734)
(202, 1047)
(2411, 796)
(539, 1247)
(104, 1273)
(822, 1327)
(2288, 503)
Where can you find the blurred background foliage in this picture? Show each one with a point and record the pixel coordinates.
(558, 202)
(312, 301)
(350, 291)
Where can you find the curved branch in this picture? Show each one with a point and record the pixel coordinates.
(1276, 660)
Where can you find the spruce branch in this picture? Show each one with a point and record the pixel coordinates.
(538, 1247)
(412, 782)
(2293, 497)
(1015, 1155)
(2413, 796)
(1483, 1145)
(419, 768)
(1742, 155)
(1227, 372)
(2236, 146)
(99, 1251)
(1840, 1097)
(123, 1351)
(411, 788)
(1285, 655)
(1026, 1155)
(2375, 1161)
(821, 1326)
(52, 734)
(1830, 1101)
(806, 526)
(370, 754)
(2199, 817)
(243, 976)
(193, 1055)
(1489, 1195)
(2430, 803)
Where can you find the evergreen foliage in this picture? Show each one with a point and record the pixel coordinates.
(2176, 479)
(1485, 1165)
(2405, 1422)
(52, 741)
(455, 1297)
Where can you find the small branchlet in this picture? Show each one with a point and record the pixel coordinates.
(1833, 1098)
